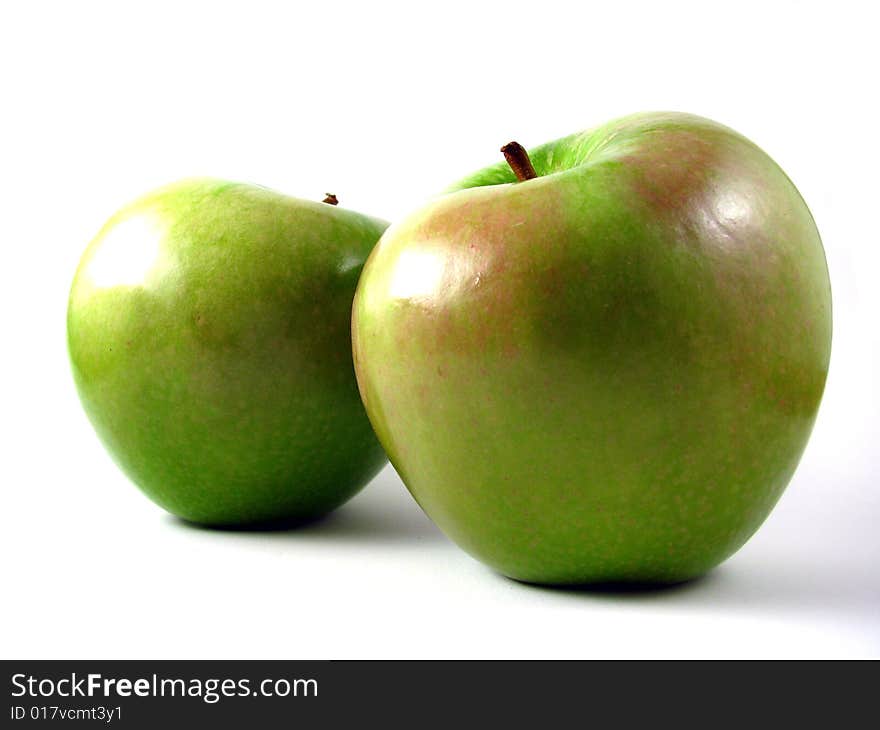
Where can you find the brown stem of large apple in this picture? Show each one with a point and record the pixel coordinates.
(331, 199)
(519, 161)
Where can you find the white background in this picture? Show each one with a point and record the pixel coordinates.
(384, 104)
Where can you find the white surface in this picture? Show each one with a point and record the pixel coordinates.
(384, 105)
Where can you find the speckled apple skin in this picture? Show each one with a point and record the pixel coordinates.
(607, 373)
(208, 331)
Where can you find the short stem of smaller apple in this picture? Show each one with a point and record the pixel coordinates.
(519, 161)
(331, 199)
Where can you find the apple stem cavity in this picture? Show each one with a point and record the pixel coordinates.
(519, 161)
(331, 199)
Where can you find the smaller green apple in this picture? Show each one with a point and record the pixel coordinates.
(208, 331)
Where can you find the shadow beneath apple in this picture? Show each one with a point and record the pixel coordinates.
(371, 521)
(753, 584)
(349, 523)
(383, 513)
(625, 590)
(282, 525)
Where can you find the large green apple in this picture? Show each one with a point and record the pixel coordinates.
(608, 372)
(209, 332)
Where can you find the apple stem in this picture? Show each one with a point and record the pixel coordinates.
(519, 161)
(331, 199)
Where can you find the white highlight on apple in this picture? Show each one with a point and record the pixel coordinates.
(129, 254)
(417, 274)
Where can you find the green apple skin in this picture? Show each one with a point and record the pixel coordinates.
(607, 373)
(209, 333)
